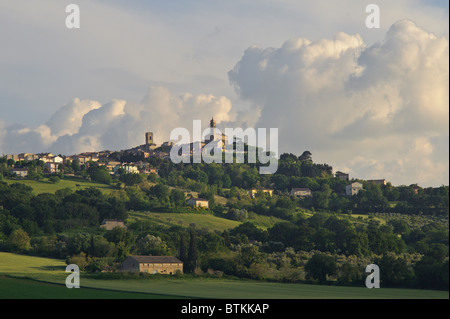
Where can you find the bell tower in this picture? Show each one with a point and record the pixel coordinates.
(212, 130)
(148, 138)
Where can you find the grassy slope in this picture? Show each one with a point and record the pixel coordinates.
(44, 186)
(201, 220)
(52, 271)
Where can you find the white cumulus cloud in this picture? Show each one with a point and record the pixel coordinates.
(379, 111)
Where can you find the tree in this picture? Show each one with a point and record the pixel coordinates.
(160, 192)
(54, 179)
(19, 241)
(249, 255)
(305, 157)
(226, 181)
(320, 266)
(177, 197)
(321, 198)
(101, 175)
(152, 245)
(349, 274)
(130, 179)
(183, 248)
(192, 259)
(250, 177)
(393, 271)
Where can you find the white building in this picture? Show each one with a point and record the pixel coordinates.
(127, 169)
(51, 167)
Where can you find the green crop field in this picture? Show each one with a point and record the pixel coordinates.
(34, 277)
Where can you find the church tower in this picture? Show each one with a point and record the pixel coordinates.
(148, 138)
(212, 130)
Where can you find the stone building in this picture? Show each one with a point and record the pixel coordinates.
(149, 138)
(168, 265)
(200, 202)
(353, 188)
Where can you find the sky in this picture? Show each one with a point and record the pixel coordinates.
(371, 102)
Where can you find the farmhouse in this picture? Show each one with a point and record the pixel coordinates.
(300, 192)
(200, 202)
(153, 264)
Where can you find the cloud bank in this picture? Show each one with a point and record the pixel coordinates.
(85, 125)
(378, 111)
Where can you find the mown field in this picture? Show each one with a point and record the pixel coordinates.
(36, 277)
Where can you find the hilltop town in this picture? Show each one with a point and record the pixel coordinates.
(137, 211)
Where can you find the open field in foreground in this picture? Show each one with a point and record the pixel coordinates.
(35, 277)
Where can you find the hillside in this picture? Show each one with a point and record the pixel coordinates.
(260, 227)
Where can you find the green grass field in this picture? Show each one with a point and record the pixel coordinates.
(44, 186)
(35, 277)
(171, 219)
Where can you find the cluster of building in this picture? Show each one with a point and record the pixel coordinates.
(103, 158)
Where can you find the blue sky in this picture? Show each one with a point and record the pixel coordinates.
(187, 49)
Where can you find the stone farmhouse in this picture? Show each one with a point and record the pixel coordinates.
(168, 265)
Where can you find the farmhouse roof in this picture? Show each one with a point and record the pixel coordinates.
(156, 259)
(199, 199)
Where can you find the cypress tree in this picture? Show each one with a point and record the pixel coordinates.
(183, 249)
(192, 254)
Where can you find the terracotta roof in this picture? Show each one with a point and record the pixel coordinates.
(156, 259)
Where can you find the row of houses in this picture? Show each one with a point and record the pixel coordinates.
(52, 163)
(350, 189)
